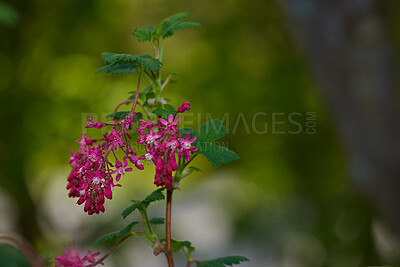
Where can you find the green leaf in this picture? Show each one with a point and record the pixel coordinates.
(176, 22)
(131, 208)
(106, 238)
(157, 220)
(119, 115)
(222, 262)
(212, 131)
(160, 112)
(144, 34)
(169, 109)
(154, 196)
(124, 231)
(128, 68)
(145, 61)
(115, 235)
(217, 154)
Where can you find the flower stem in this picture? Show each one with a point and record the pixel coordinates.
(136, 96)
(123, 102)
(100, 261)
(168, 254)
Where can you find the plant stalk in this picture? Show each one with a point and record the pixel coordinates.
(168, 253)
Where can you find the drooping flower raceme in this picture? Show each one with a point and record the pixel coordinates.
(94, 176)
(162, 141)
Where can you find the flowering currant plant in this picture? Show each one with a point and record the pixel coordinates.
(99, 164)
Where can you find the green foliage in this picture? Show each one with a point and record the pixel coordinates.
(144, 34)
(115, 235)
(144, 61)
(165, 29)
(127, 68)
(212, 131)
(217, 154)
(157, 220)
(119, 115)
(165, 112)
(174, 23)
(209, 133)
(145, 94)
(154, 196)
(222, 262)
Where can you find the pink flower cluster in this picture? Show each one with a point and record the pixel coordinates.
(72, 258)
(91, 179)
(162, 141)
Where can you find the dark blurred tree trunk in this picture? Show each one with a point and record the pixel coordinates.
(15, 102)
(350, 54)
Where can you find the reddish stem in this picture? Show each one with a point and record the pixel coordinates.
(136, 96)
(168, 254)
(109, 253)
(123, 102)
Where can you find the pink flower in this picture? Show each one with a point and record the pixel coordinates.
(115, 137)
(121, 169)
(185, 107)
(84, 142)
(72, 258)
(151, 137)
(186, 147)
(170, 124)
(93, 124)
(128, 122)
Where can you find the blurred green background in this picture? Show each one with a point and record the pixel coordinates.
(291, 200)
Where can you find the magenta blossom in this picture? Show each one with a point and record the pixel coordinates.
(121, 169)
(186, 147)
(115, 137)
(95, 124)
(127, 122)
(72, 258)
(170, 124)
(185, 107)
(84, 142)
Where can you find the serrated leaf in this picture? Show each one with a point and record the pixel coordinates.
(222, 262)
(216, 154)
(212, 131)
(157, 220)
(128, 68)
(155, 196)
(106, 238)
(160, 112)
(144, 34)
(169, 109)
(145, 61)
(115, 235)
(119, 115)
(131, 208)
(124, 231)
(176, 22)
